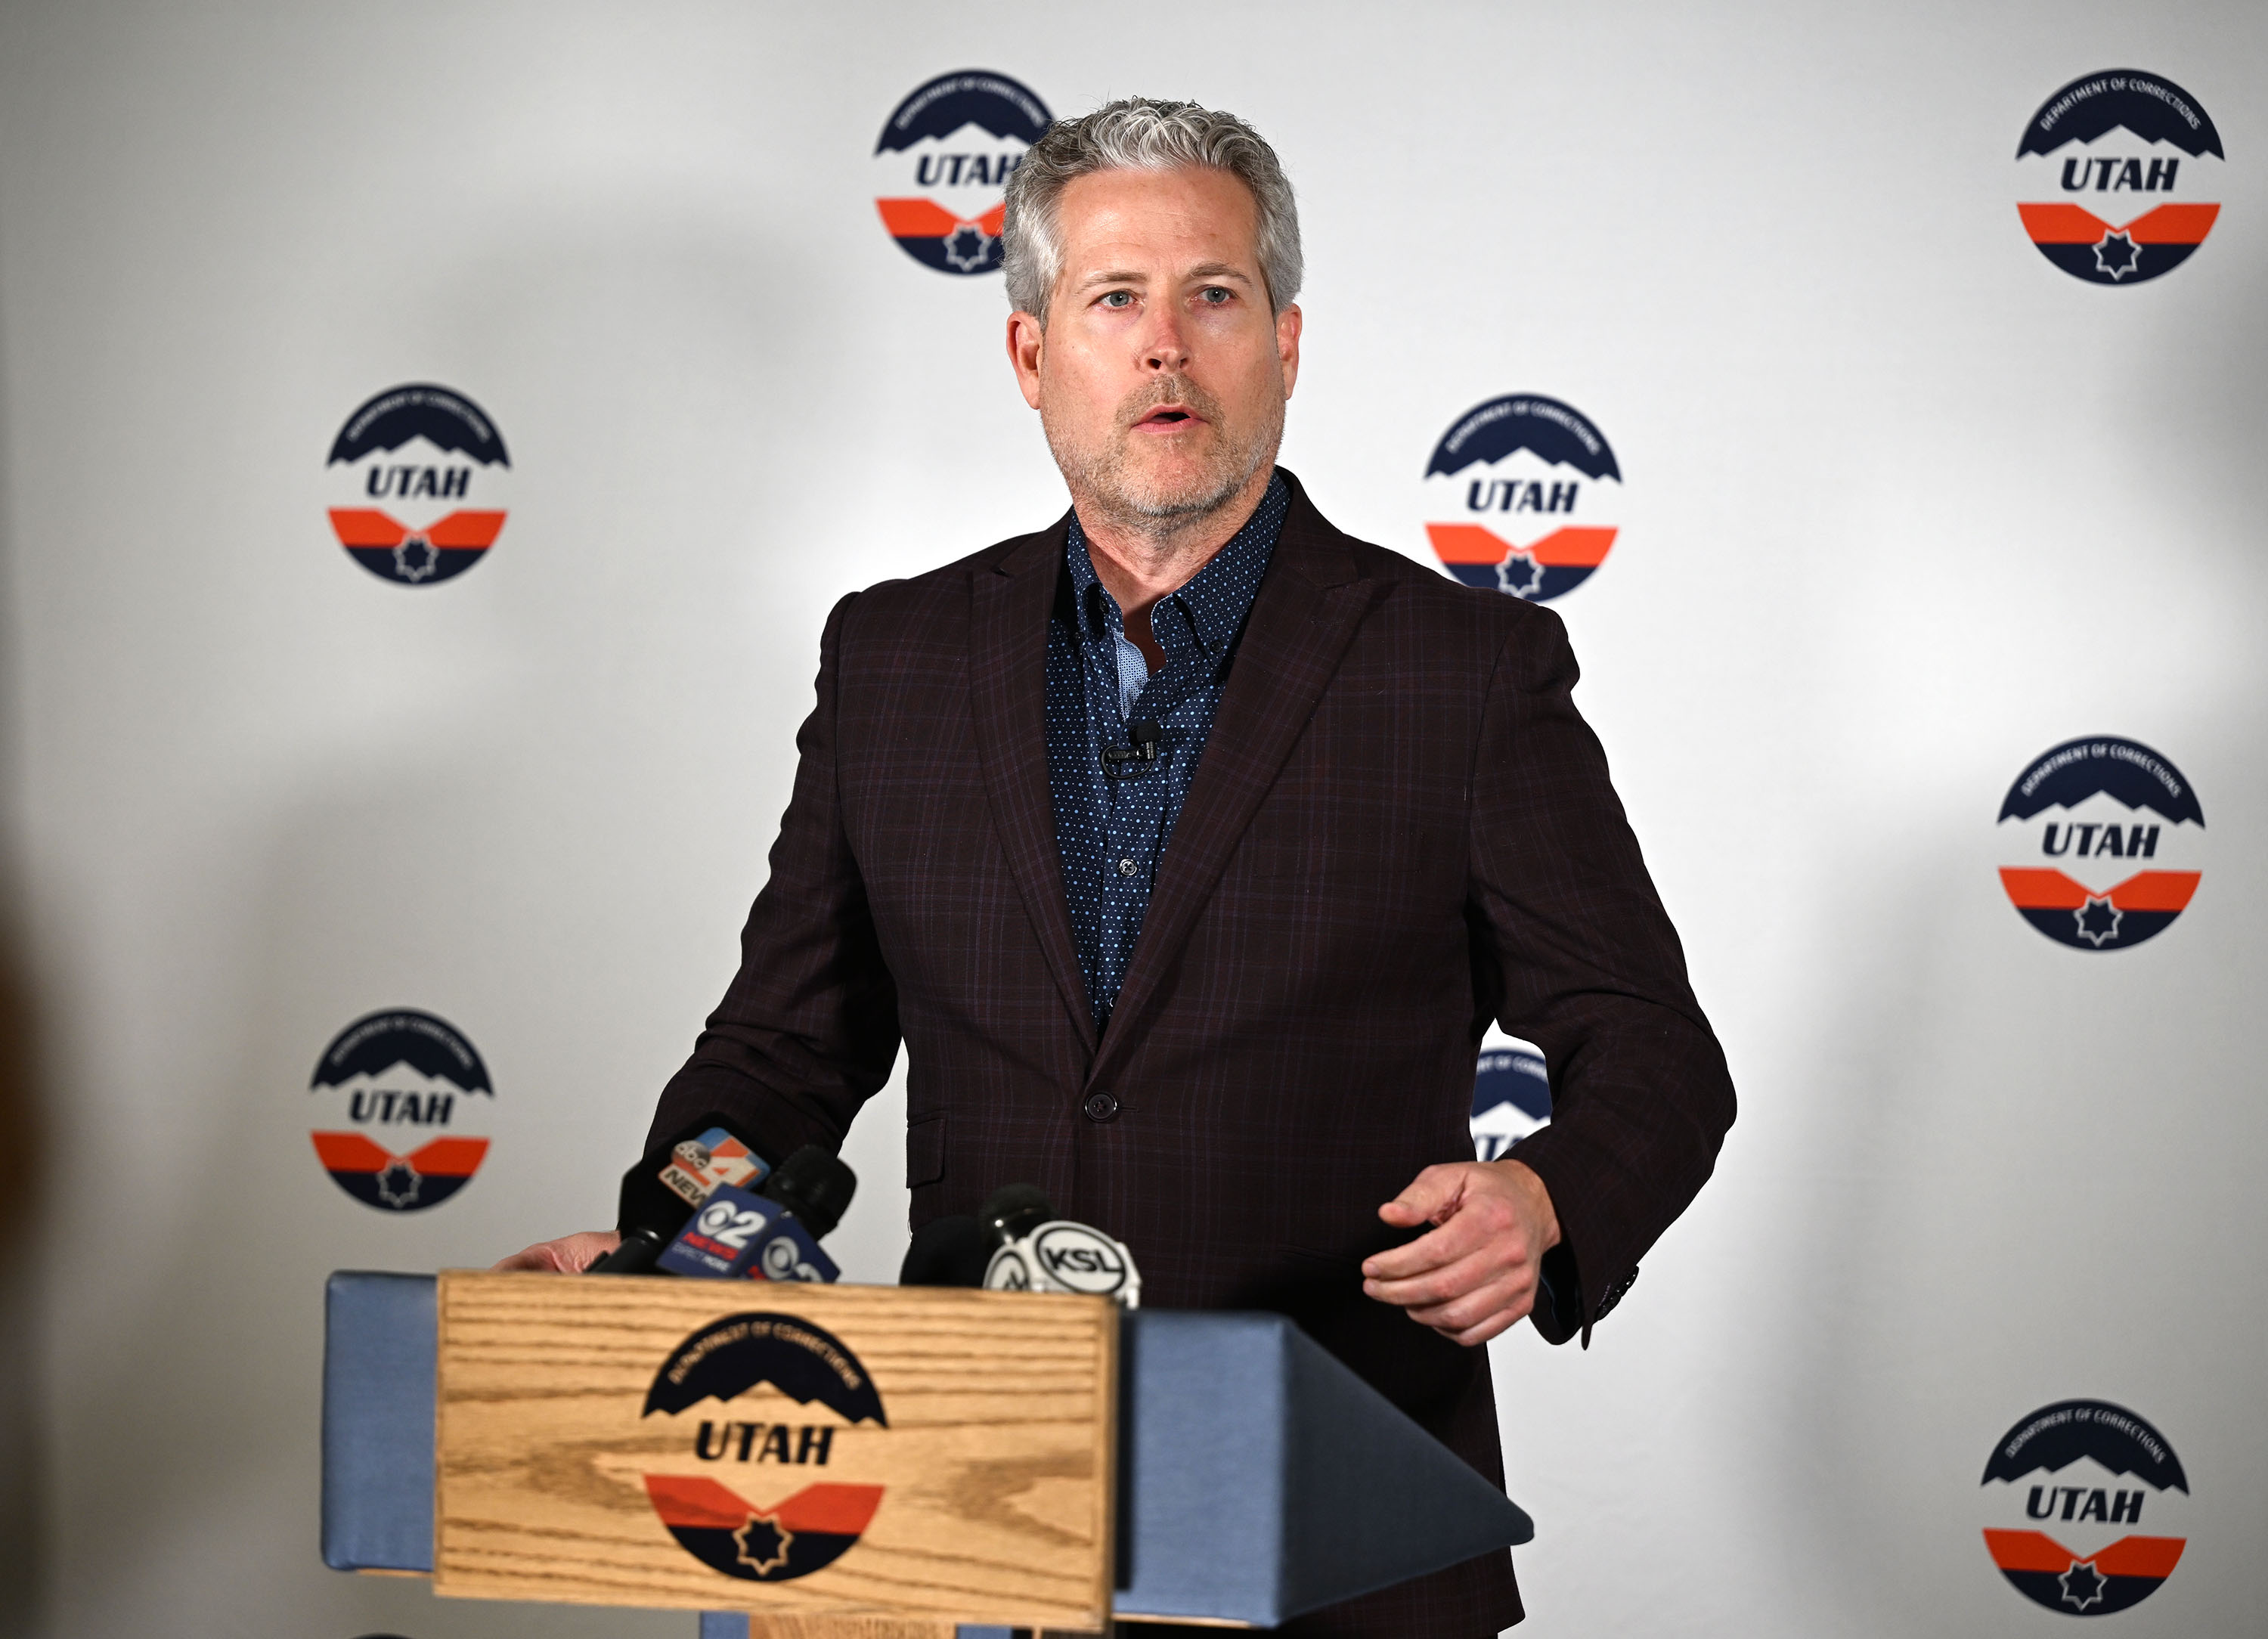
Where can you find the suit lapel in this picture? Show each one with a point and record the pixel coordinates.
(1011, 599)
(1309, 605)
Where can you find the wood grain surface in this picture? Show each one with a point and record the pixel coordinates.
(848, 1628)
(995, 1466)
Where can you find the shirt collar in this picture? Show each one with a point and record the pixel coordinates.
(1216, 599)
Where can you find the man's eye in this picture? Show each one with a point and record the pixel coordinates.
(1118, 298)
(1215, 296)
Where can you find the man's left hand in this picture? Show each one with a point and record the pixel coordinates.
(1476, 1274)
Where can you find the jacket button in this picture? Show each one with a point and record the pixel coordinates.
(1100, 1106)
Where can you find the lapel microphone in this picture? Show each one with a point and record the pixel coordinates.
(1145, 737)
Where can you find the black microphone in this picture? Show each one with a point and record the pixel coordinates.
(953, 1251)
(1145, 738)
(659, 1194)
(1012, 1212)
(946, 1252)
(815, 1184)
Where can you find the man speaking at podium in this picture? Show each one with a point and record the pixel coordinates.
(1190, 846)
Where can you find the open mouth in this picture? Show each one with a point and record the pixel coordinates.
(1166, 415)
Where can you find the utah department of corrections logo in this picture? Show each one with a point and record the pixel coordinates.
(404, 1105)
(2101, 844)
(417, 481)
(1512, 1097)
(777, 1365)
(943, 165)
(2083, 1496)
(2118, 176)
(1522, 496)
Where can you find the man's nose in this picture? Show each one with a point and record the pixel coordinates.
(1163, 349)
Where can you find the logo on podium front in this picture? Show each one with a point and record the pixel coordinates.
(1522, 496)
(404, 1106)
(2084, 1493)
(417, 481)
(2118, 176)
(2101, 843)
(942, 166)
(782, 1392)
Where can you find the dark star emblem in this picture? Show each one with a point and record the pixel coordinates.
(397, 1186)
(2098, 921)
(966, 245)
(2082, 1584)
(1519, 574)
(2118, 254)
(764, 1544)
(416, 558)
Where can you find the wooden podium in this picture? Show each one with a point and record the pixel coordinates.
(847, 1462)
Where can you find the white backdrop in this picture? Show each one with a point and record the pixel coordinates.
(1903, 506)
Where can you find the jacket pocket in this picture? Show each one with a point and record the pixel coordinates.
(925, 1150)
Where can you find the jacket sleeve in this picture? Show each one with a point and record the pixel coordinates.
(809, 1029)
(1584, 962)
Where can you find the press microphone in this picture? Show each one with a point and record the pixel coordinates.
(658, 1196)
(946, 1252)
(1034, 1251)
(771, 1235)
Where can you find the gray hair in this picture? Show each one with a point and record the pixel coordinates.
(1142, 134)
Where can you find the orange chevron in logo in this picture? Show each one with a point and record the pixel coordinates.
(2063, 224)
(2035, 888)
(1571, 547)
(462, 531)
(2128, 1556)
(792, 1538)
(926, 218)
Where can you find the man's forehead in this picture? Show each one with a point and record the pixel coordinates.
(1186, 221)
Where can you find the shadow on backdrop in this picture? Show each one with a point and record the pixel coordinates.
(22, 1458)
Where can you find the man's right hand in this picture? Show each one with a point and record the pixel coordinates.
(569, 1254)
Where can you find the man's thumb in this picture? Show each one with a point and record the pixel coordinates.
(1430, 1195)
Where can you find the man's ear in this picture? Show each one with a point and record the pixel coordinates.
(1288, 345)
(1026, 338)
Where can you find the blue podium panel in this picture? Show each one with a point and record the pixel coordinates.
(1259, 1478)
(380, 1347)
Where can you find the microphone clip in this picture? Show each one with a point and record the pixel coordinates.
(1144, 737)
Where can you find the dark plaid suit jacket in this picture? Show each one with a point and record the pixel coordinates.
(1400, 829)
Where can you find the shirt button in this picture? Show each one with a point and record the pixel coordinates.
(1099, 1106)
(1127, 867)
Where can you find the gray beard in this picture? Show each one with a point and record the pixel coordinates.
(1136, 503)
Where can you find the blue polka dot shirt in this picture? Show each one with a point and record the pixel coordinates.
(1114, 817)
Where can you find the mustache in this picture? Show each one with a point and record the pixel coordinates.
(1168, 389)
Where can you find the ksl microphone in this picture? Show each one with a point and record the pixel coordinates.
(769, 1236)
(1034, 1251)
(658, 1196)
